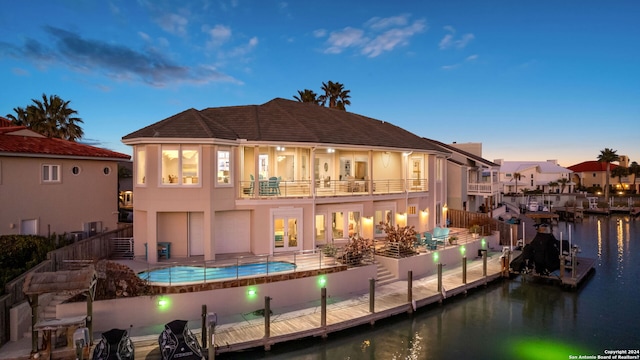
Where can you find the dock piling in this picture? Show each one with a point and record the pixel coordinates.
(372, 293)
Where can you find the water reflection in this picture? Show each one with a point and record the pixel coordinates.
(512, 319)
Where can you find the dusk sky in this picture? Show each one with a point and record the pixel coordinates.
(530, 80)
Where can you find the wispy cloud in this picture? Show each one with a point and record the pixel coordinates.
(115, 61)
(377, 36)
(470, 58)
(450, 41)
(218, 35)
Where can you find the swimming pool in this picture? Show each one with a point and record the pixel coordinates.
(194, 274)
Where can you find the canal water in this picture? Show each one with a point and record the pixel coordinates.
(512, 319)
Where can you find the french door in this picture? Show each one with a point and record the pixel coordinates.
(286, 229)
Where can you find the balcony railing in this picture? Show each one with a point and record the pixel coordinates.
(483, 188)
(302, 188)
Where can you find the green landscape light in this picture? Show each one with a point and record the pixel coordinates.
(435, 257)
(163, 303)
(462, 250)
(252, 292)
(484, 243)
(542, 349)
(322, 281)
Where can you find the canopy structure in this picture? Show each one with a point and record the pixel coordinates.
(69, 282)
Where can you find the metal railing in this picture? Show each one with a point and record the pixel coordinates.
(204, 271)
(302, 188)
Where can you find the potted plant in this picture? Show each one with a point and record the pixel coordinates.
(453, 240)
(401, 240)
(356, 249)
(329, 250)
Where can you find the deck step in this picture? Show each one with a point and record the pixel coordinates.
(384, 276)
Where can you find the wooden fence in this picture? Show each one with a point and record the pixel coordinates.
(93, 248)
(464, 219)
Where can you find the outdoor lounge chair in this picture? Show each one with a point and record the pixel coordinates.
(429, 242)
(440, 235)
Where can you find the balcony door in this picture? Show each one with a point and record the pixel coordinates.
(286, 229)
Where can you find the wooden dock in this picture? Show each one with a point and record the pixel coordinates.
(389, 300)
(567, 277)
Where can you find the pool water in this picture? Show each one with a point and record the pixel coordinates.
(190, 274)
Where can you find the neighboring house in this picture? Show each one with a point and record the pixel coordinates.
(50, 185)
(472, 182)
(593, 174)
(534, 175)
(281, 176)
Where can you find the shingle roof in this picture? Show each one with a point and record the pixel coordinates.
(18, 140)
(591, 166)
(281, 120)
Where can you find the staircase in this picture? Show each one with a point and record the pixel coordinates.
(383, 276)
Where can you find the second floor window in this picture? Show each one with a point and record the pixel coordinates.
(50, 173)
(180, 165)
(224, 167)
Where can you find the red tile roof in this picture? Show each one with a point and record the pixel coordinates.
(593, 165)
(20, 141)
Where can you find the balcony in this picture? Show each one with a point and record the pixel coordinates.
(483, 188)
(267, 189)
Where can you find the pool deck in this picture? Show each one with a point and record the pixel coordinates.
(240, 332)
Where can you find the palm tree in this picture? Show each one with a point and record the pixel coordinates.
(552, 185)
(634, 169)
(307, 96)
(51, 117)
(620, 172)
(517, 177)
(335, 94)
(563, 184)
(608, 156)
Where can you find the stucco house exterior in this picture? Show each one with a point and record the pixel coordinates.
(280, 176)
(50, 185)
(593, 174)
(534, 175)
(472, 181)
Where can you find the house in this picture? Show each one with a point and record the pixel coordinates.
(281, 176)
(50, 185)
(593, 174)
(472, 181)
(545, 176)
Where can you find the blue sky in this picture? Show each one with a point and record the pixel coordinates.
(531, 80)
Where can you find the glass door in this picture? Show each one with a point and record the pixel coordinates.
(287, 229)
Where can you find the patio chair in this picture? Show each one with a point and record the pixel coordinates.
(273, 186)
(429, 242)
(252, 185)
(440, 235)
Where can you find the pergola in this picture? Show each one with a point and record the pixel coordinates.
(70, 282)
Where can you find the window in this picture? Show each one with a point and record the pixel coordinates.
(180, 165)
(224, 167)
(412, 210)
(50, 173)
(345, 226)
(106, 170)
(75, 170)
(439, 169)
(141, 165)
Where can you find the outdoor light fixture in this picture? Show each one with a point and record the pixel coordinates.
(330, 150)
(163, 303)
(252, 292)
(322, 281)
(435, 257)
(462, 250)
(483, 243)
